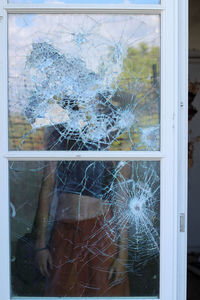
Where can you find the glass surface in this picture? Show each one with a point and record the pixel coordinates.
(84, 82)
(84, 228)
(87, 1)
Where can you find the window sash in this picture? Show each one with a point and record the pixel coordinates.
(60, 7)
(168, 155)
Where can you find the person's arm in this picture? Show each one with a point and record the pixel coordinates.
(118, 268)
(43, 257)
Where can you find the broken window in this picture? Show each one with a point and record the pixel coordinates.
(84, 82)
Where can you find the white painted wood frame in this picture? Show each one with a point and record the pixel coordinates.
(172, 156)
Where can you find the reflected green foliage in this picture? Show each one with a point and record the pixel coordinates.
(139, 83)
(141, 70)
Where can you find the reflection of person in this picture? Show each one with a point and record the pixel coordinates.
(83, 259)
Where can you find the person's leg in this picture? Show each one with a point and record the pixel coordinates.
(63, 280)
(102, 250)
(82, 254)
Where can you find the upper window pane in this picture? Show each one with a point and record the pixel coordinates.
(84, 82)
(88, 1)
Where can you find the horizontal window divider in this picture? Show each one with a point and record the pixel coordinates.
(83, 155)
(86, 298)
(67, 8)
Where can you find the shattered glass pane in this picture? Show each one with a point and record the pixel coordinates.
(84, 82)
(87, 1)
(84, 228)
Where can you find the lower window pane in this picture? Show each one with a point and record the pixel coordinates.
(84, 228)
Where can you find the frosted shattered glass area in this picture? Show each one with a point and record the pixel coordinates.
(84, 82)
(87, 1)
(100, 221)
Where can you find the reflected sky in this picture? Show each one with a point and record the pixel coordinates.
(101, 32)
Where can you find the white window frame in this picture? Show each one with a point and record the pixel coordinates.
(172, 155)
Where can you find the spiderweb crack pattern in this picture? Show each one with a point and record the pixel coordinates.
(91, 108)
(95, 98)
(133, 201)
(81, 105)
